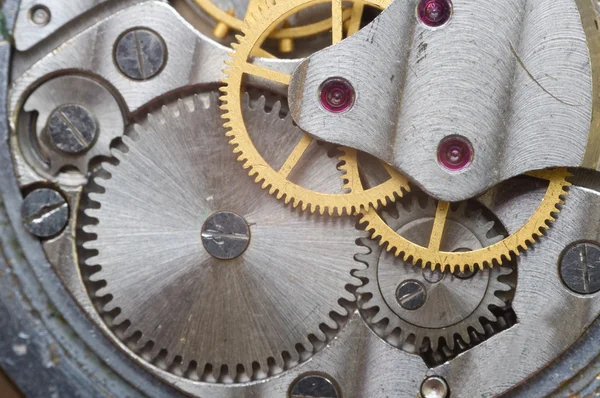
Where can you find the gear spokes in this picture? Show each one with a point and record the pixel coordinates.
(221, 261)
(277, 179)
(431, 254)
(421, 310)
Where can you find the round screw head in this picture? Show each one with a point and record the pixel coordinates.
(434, 13)
(44, 213)
(140, 54)
(455, 153)
(39, 15)
(72, 129)
(579, 268)
(434, 387)
(225, 235)
(337, 95)
(314, 386)
(411, 295)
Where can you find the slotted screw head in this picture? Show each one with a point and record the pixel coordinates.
(44, 213)
(314, 386)
(140, 54)
(225, 235)
(72, 129)
(411, 295)
(580, 268)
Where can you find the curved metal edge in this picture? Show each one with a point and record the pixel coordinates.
(574, 373)
(47, 345)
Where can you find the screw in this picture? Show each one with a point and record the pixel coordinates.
(39, 15)
(225, 235)
(72, 129)
(434, 387)
(411, 295)
(45, 213)
(433, 276)
(314, 386)
(580, 268)
(140, 54)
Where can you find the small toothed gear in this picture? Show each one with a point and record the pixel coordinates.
(93, 97)
(438, 307)
(235, 320)
(275, 178)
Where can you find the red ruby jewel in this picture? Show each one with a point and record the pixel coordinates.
(455, 153)
(337, 95)
(435, 13)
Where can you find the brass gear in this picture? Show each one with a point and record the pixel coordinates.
(514, 244)
(225, 21)
(276, 181)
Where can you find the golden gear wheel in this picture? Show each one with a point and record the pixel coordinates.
(433, 257)
(276, 181)
(226, 20)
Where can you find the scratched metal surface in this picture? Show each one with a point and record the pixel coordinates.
(513, 87)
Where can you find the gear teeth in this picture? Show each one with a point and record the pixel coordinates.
(348, 297)
(169, 359)
(479, 328)
(434, 342)
(389, 325)
(306, 344)
(119, 319)
(389, 328)
(488, 226)
(110, 306)
(320, 335)
(388, 217)
(379, 317)
(154, 352)
(331, 323)
(276, 109)
(312, 201)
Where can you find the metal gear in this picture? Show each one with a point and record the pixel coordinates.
(263, 311)
(106, 119)
(276, 179)
(427, 255)
(227, 19)
(442, 305)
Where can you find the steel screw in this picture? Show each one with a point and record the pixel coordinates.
(45, 213)
(225, 235)
(434, 387)
(72, 129)
(140, 54)
(39, 15)
(580, 268)
(411, 295)
(314, 386)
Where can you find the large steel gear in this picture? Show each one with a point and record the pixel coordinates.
(271, 177)
(426, 254)
(267, 308)
(436, 307)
